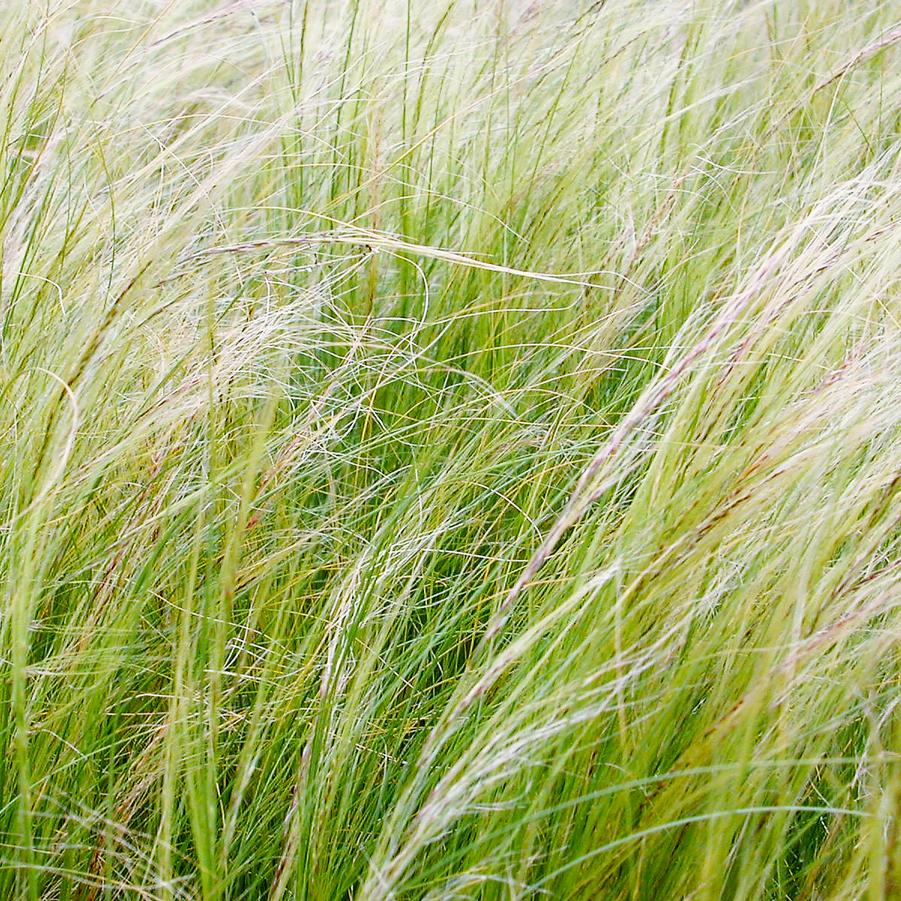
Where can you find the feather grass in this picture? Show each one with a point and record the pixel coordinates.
(449, 450)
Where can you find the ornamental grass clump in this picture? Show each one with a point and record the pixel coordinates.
(450, 450)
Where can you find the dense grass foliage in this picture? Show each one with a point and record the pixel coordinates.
(450, 449)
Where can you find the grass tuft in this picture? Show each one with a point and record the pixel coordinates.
(450, 450)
